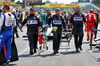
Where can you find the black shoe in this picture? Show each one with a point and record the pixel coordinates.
(77, 50)
(7, 63)
(95, 37)
(17, 36)
(35, 51)
(55, 52)
(37, 48)
(80, 48)
(31, 52)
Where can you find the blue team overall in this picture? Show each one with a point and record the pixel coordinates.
(6, 38)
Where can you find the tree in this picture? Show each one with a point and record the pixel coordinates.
(73, 2)
(12, 0)
(47, 1)
(96, 2)
(56, 2)
(18, 2)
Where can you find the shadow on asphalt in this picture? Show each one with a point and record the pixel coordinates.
(96, 51)
(98, 59)
(85, 42)
(71, 52)
(25, 39)
(48, 55)
(12, 65)
(38, 55)
(9, 65)
(27, 55)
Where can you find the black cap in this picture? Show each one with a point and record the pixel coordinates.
(31, 9)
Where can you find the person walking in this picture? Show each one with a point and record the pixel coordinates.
(33, 22)
(90, 23)
(77, 19)
(57, 21)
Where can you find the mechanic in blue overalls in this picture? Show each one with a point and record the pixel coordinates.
(7, 20)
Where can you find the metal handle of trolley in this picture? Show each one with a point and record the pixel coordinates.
(68, 33)
(91, 44)
(43, 39)
(66, 37)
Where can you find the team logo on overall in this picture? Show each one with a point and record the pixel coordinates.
(78, 18)
(10, 21)
(32, 22)
(57, 22)
(89, 17)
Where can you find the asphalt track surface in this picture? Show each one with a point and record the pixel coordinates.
(86, 57)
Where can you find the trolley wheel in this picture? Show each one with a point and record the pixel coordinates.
(47, 48)
(40, 47)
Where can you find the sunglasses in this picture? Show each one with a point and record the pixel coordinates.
(57, 10)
